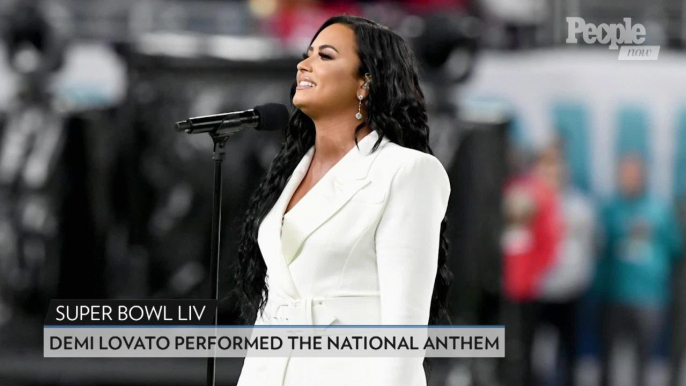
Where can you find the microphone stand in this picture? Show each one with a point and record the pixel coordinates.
(229, 124)
(219, 151)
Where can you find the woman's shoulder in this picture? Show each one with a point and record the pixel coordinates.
(394, 157)
(399, 161)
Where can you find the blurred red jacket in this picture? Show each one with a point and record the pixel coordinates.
(532, 236)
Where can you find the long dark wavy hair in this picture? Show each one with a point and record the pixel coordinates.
(395, 109)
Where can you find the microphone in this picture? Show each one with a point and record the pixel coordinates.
(267, 117)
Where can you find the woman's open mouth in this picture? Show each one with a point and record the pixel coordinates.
(303, 85)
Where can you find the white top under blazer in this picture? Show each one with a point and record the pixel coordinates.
(361, 247)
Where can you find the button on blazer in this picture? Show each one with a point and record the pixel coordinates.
(361, 247)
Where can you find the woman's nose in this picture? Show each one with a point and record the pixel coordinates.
(303, 65)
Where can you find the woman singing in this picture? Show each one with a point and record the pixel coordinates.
(347, 226)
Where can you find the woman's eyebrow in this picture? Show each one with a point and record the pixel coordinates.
(322, 47)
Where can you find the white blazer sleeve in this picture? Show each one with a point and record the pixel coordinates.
(407, 245)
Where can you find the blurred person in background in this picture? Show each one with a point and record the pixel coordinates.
(32, 162)
(678, 322)
(643, 241)
(571, 272)
(531, 240)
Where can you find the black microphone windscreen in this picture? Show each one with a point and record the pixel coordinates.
(273, 116)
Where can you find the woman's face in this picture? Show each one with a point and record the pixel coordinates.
(332, 66)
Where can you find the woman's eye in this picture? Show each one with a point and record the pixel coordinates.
(323, 56)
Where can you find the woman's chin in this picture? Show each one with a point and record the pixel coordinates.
(301, 104)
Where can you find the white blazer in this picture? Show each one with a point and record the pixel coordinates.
(361, 247)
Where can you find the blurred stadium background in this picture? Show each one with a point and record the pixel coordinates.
(101, 198)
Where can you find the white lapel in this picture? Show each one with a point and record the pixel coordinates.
(280, 276)
(328, 195)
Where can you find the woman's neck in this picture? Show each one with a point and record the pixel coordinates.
(335, 139)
